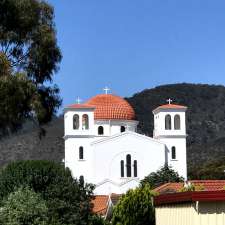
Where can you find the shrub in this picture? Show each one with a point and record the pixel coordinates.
(24, 207)
(135, 208)
(68, 200)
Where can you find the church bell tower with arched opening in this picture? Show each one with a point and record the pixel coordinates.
(170, 128)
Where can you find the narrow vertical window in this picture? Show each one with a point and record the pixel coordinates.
(81, 152)
(128, 158)
(122, 168)
(177, 122)
(100, 130)
(168, 122)
(122, 129)
(85, 122)
(135, 168)
(173, 152)
(76, 122)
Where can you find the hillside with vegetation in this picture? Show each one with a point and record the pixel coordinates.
(205, 118)
(205, 128)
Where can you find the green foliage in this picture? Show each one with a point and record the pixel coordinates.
(21, 95)
(135, 208)
(192, 187)
(68, 200)
(22, 207)
(97, 220)
(28, 45)
(162, 176)
(213, 170)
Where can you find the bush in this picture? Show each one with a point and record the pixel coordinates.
(24, 207)
(97, 220)
(135, 208)
(68, 200)
(164, 175)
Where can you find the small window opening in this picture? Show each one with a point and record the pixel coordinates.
(100, 130)
(122, 129)
(81, 152)
(173, 152)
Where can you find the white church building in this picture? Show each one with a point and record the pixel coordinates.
(103, 146)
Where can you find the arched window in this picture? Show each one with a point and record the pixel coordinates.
(76, 122)
(173, 153)
(85, 122)
(177, 122)
(168, 122)
(100, 130)
(135, 168)
(128, 158)
(122, 129)
(122, 168)
(81, 152)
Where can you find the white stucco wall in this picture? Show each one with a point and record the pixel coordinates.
(68, 122)
(79, 167)
(150, 156)
(159, 123)
(180, 163)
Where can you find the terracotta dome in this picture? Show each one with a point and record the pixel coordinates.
(111, 107)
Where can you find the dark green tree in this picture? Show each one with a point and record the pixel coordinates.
(24, 206)
(28, 46)
(162, 176)
(135, 208)
(68, 200)
(211, 170)
(97, 220)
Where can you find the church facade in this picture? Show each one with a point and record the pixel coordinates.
(103, 146)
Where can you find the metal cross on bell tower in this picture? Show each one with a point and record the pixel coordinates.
(169, 100)
(106, 89)
(78, 100)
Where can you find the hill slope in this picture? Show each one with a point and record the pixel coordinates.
(205, 125)
(205, 116)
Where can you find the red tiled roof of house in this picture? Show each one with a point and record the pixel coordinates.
(100, 204)
(208, 185)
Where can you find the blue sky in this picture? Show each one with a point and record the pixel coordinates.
(131, 45)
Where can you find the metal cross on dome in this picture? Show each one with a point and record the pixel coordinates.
(78, 100)
(169, 100)
(106, 89)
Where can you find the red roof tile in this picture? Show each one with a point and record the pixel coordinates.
(80, 106)
(209, 185)
(111, 107)
(171, 106)
(100, 204)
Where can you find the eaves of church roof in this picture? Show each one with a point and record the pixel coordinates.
(116, 136)
(80, 106)
(170, 106)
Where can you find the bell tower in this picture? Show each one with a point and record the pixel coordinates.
(79, 131)
(170, 129)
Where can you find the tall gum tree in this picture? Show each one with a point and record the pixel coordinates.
(29, 57)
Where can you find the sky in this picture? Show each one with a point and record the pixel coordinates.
(132, 45)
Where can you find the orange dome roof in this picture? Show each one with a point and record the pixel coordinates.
(109, 106)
